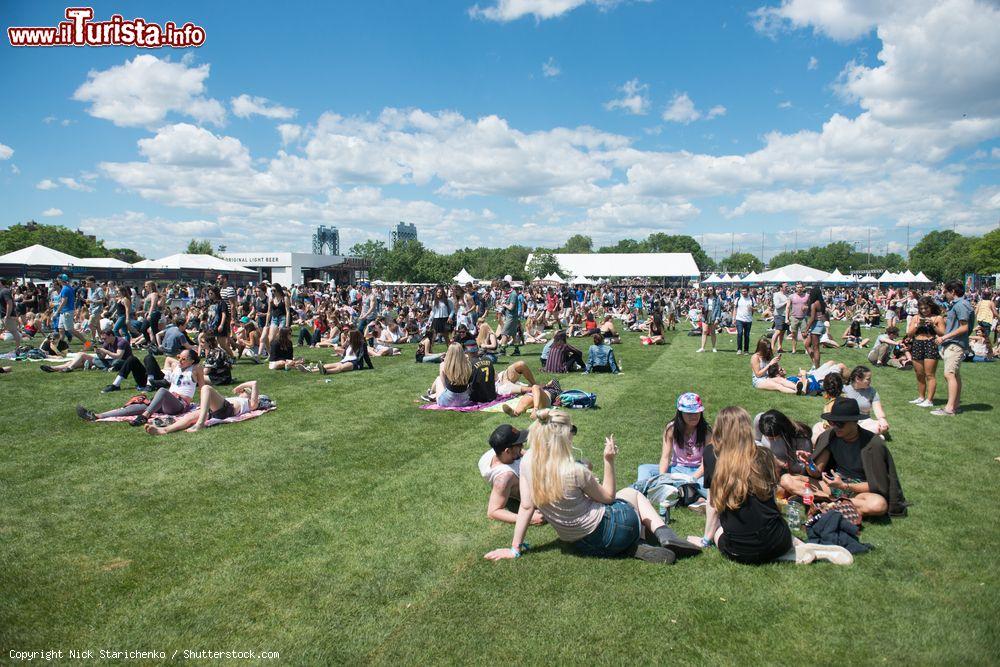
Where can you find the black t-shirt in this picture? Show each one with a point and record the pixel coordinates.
(280, 352)
(845, 457)
(6, 301)
(483, 384)
(755, 532)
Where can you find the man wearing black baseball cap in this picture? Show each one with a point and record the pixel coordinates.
(856, 463)
(500, 467)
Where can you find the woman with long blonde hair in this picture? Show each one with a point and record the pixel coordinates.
(585, 511)
(742, 515)
(451, 389)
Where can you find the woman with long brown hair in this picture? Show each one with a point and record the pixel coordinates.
(585, 512)
(742, 515)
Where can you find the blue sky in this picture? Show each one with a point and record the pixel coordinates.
(512, 121)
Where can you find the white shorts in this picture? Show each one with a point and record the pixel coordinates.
(66, 321)
(504, 386)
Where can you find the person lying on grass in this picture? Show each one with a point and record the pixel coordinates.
(536, 398)
(213, 406)
(185, 376)
(584, 511)
(500, 467)
(856, 463)
(742, 517)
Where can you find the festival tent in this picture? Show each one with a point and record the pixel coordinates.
(726, 279)
(463, 277)
(888, 277)
(750, 278)
(836, 278)
(187, 262)
(38, 255)
(102, 263)
(794, 273)
(868, 280)
(921, 278)
(907, 276)
(554, 277)
(582, 280)
(712, 280)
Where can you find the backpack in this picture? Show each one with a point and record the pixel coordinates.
(576, 399)
(219, 367)
(482, 386)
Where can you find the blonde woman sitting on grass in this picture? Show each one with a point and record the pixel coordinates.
(451, 387)
(586, 512)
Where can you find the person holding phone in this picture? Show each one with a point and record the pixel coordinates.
(856, 463)
(765, 371)
(586, 512)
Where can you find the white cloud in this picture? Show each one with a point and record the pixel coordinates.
(550, 68)
(46, 184)
(190, 146)
(785, 105)
(14, 169)
(813, 63)
(716, 111)
(511, 10)
(995, 153)
(634, 99)
(681, 110)
(5, 152)
(74, 184)
(289, 133)
(52, 212)
(245, 106)
(48, 120)
(142, 91)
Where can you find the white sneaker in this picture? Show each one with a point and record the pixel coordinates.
(714, 350)
(809, 552)
(925, 404)
(918, 400)
(700, 349)
(739, 352)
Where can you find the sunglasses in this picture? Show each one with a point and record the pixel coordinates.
(838, 424)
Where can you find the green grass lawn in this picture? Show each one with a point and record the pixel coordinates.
(349, 527)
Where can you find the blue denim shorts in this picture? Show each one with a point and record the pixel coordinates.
(617, 532)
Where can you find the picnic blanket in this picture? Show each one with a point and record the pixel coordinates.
(475, 407)
(211, 422)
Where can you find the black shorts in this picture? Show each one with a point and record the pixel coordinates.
(225, 412)
(924, 349)
(440, 325)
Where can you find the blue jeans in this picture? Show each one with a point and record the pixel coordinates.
(743, 335)
(617, 532)
(647, 470)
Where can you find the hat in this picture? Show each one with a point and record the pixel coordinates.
(244, 319)
(844, 410)
(506, 436)
(690, 403)
(508, 278)
(63, 277)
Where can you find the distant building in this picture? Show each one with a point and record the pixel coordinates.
(404, 232)
(326, 241)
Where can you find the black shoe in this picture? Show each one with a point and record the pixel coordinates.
(85, 414)
(110, 388)
(668, 539)
(139, 420)
(47, 369)
(516, 352)
(651, 554)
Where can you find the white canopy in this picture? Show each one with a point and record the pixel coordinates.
(554, 277)
(726, 279)
(835, 278)
(888, 277)
(102, 263)
(711, 280)
(582, 280)
(464, 277)
(38, 255)
(793, 273)
(868, 280)
(921, 278)
(751, 277)
(640, 264)
(907, 276)
(182, 261)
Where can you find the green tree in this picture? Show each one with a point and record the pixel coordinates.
(126, 255)
(56, 237)
(578, 243)
(839, 254)
(929, 254)
(986, 253)
(625, 246)
(742, 262)
(958, 258)
(659, 242)
(376, 253)
(196, 247)
(542, 263)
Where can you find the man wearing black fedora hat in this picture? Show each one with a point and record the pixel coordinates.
(856, 463)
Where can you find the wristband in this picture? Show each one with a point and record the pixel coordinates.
(516, 552)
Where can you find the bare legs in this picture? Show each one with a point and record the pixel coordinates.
(211, 400)
(706, 331)
(535, 400)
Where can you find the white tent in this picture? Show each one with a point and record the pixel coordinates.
(102, 263)
(794, 273)
(726, 279)
(643, 264)
(711, 280)
(888, 277)
(868, 280)
(921, 278)
(835, 278)
(750, 278)
(464, 277)
(777, 276)
(554, 277)
(907, 276)
(183, 261)
(38, 255)
(581, 280)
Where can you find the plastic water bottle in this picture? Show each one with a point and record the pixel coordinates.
(664, 508)
(793, 516)
(808, 496)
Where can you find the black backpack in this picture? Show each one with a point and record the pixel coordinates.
(219, 367)
(482, 386)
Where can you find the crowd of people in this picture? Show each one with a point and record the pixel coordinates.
(738, 470)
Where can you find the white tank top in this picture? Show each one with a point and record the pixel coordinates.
(182, 382)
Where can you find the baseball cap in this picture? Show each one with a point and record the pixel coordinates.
(63, 277)
(506, 436)
(508, 278)
(690, 403)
